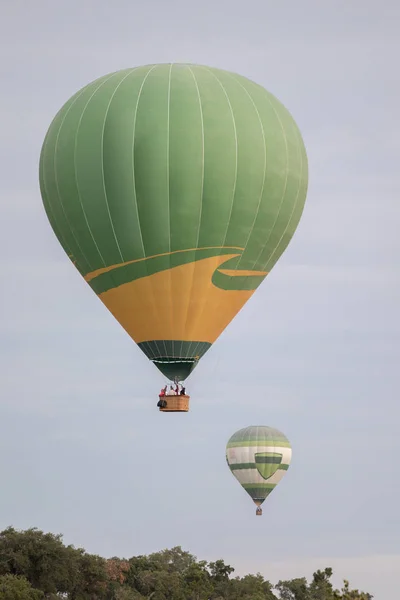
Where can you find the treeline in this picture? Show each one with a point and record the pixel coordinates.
(36, 565)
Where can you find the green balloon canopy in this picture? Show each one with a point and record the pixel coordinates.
(258, 456)
(174, 189)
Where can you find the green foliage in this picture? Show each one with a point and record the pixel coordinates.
(295, 589)
(41, 558)
(319, 589)
(36, 565)
(347, 594)
(15, 587)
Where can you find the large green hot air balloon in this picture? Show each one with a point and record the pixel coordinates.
(174, 189)
(258, 457)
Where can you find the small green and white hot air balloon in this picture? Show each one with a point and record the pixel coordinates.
(258, 457)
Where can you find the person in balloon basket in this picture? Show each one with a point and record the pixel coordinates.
(162, 403)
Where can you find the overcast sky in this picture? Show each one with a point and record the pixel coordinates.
(314, 353)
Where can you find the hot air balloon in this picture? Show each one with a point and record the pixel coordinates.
(258, 457)
(173, 189)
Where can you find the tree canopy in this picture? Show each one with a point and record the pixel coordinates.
(35, 565)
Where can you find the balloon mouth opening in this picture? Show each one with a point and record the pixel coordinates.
(176, 370)
(168, 361)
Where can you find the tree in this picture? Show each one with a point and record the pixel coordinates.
(321, 587)
(36, 565)
(89, 579)
(197, 581)
(174, 560)
(127, 593)
(295, 589)
(220, 571)
(116, 569)
(160, 585)
(347, 594)
(252, 586)
(50, 566)
(220, 580)
(16, 587)
(40, 557)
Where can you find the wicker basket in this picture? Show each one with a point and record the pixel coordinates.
(175, 403)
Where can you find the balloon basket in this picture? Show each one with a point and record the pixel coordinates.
(259, 512)
(175, 403)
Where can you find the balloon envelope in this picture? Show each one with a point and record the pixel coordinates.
(173, 189)
(258, 457)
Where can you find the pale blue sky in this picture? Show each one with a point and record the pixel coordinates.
(314, 353)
